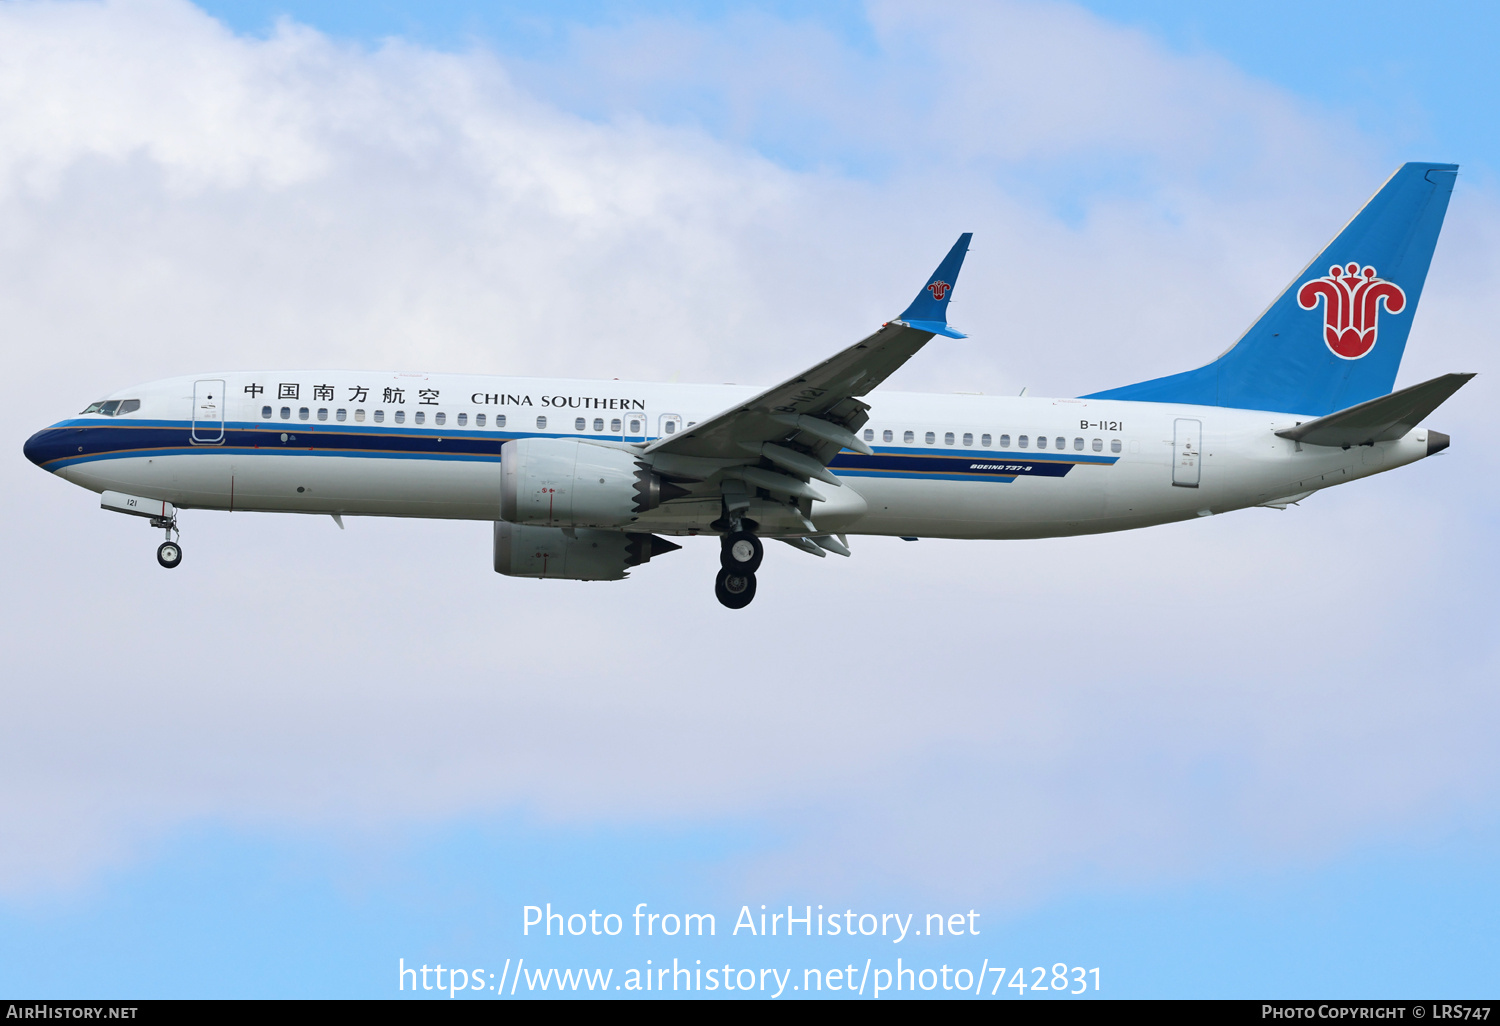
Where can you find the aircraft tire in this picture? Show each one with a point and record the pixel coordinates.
(169, 554)
(734, 589)
(741, 552)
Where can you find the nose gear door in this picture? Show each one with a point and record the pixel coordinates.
(208, 412)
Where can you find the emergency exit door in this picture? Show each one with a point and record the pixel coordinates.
(1187, 453)
(636, 426)
(208, 412)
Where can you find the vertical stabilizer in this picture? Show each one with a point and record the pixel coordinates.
(1335, 335)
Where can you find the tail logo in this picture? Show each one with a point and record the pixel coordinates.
(1351, 307)
(939, 289)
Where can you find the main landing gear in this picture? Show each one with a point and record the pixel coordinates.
(169, 552)
(739, 558)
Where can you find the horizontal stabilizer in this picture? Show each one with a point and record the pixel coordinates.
(1379, 420)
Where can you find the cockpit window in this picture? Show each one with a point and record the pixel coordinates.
(113, 407)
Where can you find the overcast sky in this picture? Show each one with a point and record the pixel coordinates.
(1206, 756)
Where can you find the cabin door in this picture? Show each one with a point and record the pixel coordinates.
(1187, 453)
(208, 412)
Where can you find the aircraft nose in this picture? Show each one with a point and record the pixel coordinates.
(43, 447)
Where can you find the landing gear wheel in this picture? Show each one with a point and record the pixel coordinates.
(169, 554)
(734, 588)
(742, 552)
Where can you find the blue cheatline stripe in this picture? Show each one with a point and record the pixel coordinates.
(934, 476)
(992, 455)
(78, 441)
(961, 465)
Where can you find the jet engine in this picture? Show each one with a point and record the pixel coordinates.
(522, 550)
(570, 482)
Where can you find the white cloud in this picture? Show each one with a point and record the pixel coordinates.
(988, 717)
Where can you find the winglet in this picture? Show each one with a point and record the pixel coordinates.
(929, 311)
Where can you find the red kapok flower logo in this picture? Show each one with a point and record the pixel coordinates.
(1351, 307)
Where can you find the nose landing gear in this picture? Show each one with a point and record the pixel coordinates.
(169, 552)
(739, 558)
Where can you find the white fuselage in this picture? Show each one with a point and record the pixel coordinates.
(954, 466)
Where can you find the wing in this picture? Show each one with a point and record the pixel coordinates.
(802, 423)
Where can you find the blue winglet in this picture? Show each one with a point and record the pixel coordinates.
(929, 311)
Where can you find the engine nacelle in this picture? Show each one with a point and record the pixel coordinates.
(568, 482)
(522, 550)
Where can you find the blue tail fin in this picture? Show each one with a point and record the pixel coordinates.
(1335, 336)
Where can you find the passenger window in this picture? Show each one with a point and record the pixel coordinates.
(400, 416)
(598, 423)
(541, 423)
(379, 416)
(479, 420)
(968, 438)
(908, 437)
(322, 413)
(635, 426)
(463, 419)
(440, 419)
(948, 438)
(614, 426)
(869, 434)
(579, 424)
(131, 405)
(931, 438)
(669, 427)
(421, 417)
(1098, 445)
(984, 441)
(359, 416)
(1078, 445)
(1114, 445)
(286, 413)
(1041, 441)
(1020, 442)
(341, 415)
(1062, 443)
(888, 435)
(499, 420)
(1005, 441)
(302, 413)
(265, 413)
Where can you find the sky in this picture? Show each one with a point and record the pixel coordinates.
(1249, 756)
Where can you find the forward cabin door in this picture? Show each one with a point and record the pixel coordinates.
(1187, 453)
(208, 412)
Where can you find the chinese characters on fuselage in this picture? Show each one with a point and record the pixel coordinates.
(432, 396)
